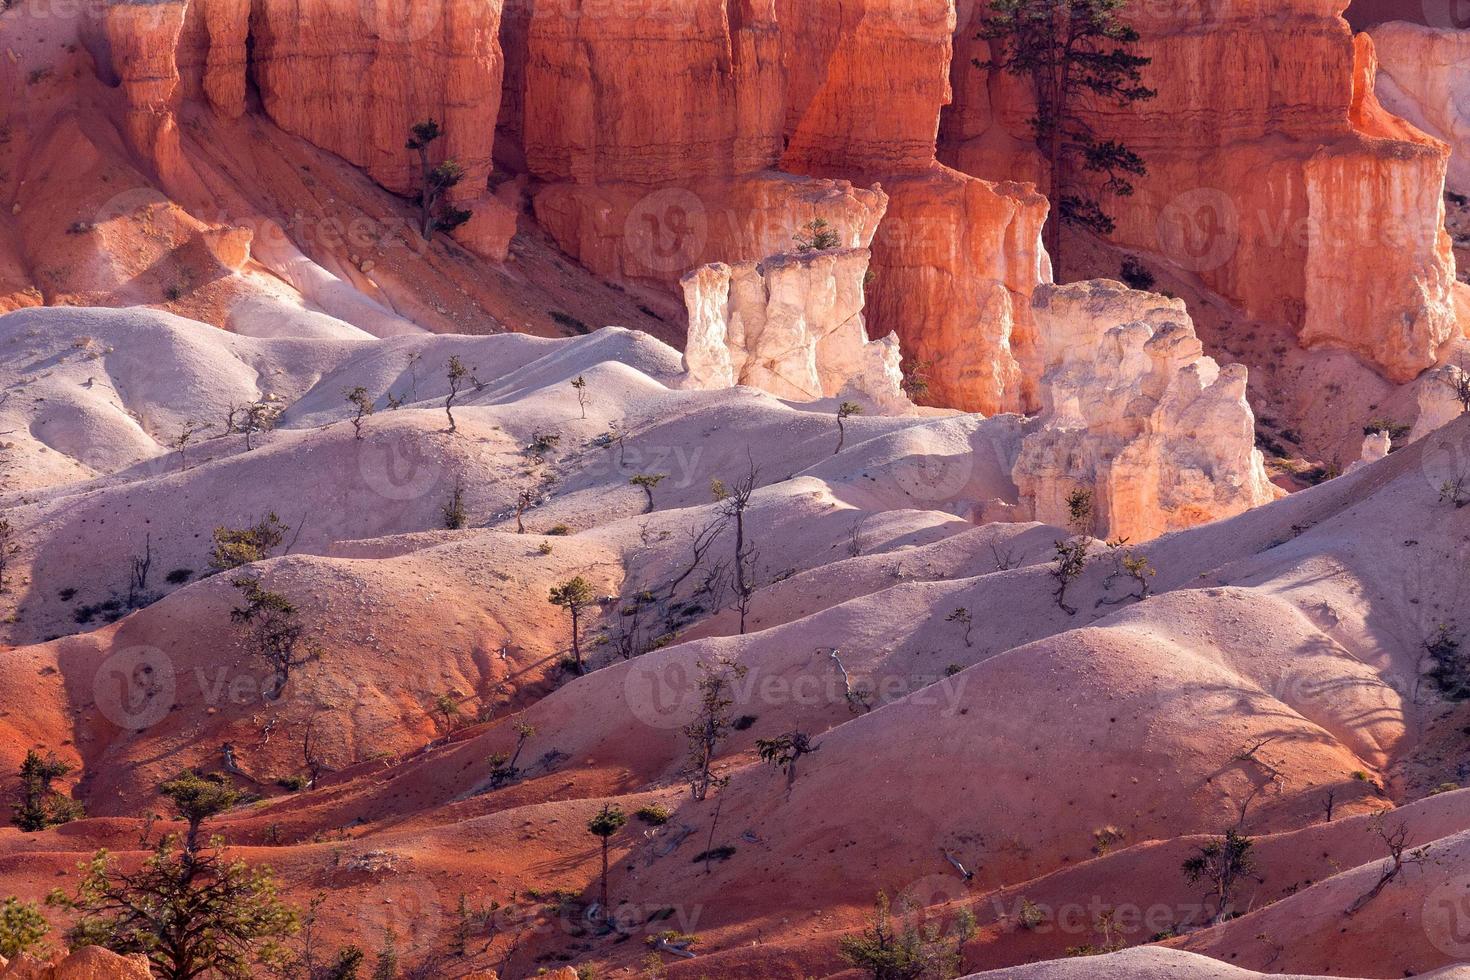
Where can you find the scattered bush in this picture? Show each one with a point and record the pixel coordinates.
(22, 927)
(655, 814)
(1136, 276)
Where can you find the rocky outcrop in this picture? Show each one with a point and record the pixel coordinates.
(957, 257)
(668, 143)
(1424, 77)
(1135, 414)
(1438, 397)
(792, 326)
(142, 39)
(1271, 183)
(87, 963)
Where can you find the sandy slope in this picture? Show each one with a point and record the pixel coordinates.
(1059, 757)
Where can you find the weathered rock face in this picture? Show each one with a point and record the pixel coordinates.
(1271, 181)
(1424, 77)
(654, 235)
(957, 258)
(865, 83)
(955, 264)
(1438, 397)
(616, 93)
(349, 77)
(659, 137)
(87, 963)
(791, 325)
(1135, 414)
(142, 39)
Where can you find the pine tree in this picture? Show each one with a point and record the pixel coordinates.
(1076, 53)
(434, 182)
(189, 909)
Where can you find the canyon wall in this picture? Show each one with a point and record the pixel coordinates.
(352, 77)
(712, 131)
(1272, 172)
(660, 138)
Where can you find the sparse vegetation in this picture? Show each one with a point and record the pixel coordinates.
(1451, 665)
(39, 805)
(1080, 511)
(574, 596)
(9, 549)
(1079, 60)
(235, 547)
(711, 724)
(902, 951)
(1136, 275)
(1221, 864)
(844, 412)
(1071, 560)
(271, 627)
(580, 384)
(363, 406)
(457, 375)
(915, 381)
(655, 814)
(1455, 491)
(1399, 855)
(435, 181)
(569, 322)
(963, 617)
(455, 517)
(608, 821)
(23, 928)
(647, 482)
(785, 751)
(180, 443)
(504, 769)
(736, 502)
(817, 235)
(189, 909)
(1459, 382)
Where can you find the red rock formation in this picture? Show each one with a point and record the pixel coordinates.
(87, 963)
(1249, 182)
(351, 78)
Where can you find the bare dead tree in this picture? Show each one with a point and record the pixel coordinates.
(700, 542)
(523, 503)
(735, 502)
(1005, 560)
(138, 575)
(1459, 382)
(1399, 855)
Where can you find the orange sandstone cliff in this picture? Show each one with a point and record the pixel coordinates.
(1273, 174)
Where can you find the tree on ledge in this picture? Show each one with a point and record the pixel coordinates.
(435, 214)
(1076, 54)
